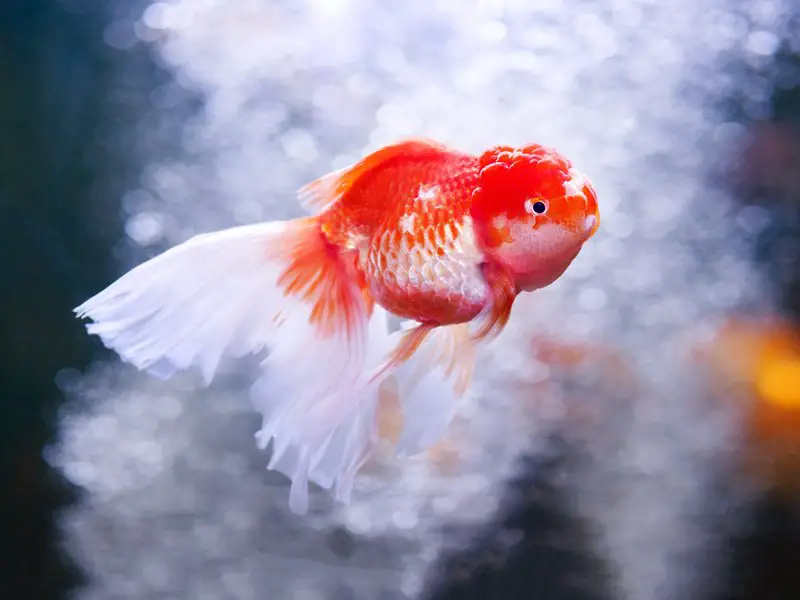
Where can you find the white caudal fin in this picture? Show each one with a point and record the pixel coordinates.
(222, 294)
(319, 434)
(215, 294)
(431, 383)
(276, 286)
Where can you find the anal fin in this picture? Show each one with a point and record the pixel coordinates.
(430, 381)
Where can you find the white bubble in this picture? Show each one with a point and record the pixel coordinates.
(762, 43)
(494, 31)
(619, 225)
(299, 144)
(120, 35)
(753, 219)
(66, 378)
(592, 298)
(155, 16)
(145, 228)
(163, 15)
(80, 473)
(405, 519)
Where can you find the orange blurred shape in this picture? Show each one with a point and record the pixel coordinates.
(762, 358)
(612, 375)
(562, 354)
(570, 355)
(609, 377)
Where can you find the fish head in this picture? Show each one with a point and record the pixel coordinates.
(532, 212)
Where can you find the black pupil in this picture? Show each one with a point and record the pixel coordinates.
(539, 207)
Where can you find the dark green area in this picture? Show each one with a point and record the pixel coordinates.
(56, 232)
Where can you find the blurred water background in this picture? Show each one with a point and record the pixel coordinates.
(128, 126)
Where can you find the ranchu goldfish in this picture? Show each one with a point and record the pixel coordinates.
(442, 239)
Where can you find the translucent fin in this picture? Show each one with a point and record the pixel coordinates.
(431, 382)
(214, 294)
(321, 194)
(278, 286)
(227, 293)
(319, 433)
(405, 347)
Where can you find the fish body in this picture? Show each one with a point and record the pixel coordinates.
(408, 221)
(441, 238)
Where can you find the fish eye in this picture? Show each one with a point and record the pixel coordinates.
(539, 207)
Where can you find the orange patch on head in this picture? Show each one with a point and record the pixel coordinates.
(532, 212)
(512, 180)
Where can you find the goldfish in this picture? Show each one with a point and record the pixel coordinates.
(440, 239)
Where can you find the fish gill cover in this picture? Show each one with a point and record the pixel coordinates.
(179, 504)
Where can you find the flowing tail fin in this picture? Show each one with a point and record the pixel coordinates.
(319, 433)
(279, 286)
(327, 437)
(232, 292)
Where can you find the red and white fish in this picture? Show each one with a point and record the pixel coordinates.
(430, 234)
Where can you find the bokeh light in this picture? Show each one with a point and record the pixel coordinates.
(263, 97)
